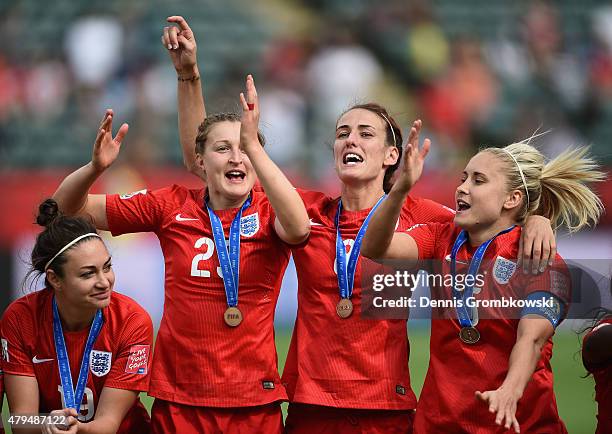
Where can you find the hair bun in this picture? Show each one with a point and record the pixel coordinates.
(48, 211)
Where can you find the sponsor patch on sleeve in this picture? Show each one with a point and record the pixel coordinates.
(138, 360)
(559, 285)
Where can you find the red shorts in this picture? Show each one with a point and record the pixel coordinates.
(308, 419)
(170, 417)
(136, 421)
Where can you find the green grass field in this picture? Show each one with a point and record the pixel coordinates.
(574, 393)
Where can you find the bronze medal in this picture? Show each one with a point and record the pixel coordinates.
(232, 316)
(344, 308)
(469, 335)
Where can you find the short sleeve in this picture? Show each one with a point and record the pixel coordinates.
(142, 211)
(132, 363)
(15, 328)
(425, 235)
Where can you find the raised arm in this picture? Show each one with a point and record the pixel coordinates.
(533, 332)
(182, 48)
(73, 195)
(381, 241)
(292, 224)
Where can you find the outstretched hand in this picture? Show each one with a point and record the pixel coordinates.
(106, 148)
(181, 44)
(249, 123)
(503, 403)
(413, 159)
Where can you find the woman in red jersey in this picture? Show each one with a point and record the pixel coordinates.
(597, 359)
(215, 365)
(343, 373)
(489, 367)
(76, 346)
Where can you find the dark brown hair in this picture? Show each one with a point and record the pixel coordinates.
(59, 231)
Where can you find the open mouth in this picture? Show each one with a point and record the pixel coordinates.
(235, 175)
(350, 159)
(462, 205)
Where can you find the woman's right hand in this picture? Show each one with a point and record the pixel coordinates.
(106, 148)
(70, 425)
(181, 45)
(413, 160)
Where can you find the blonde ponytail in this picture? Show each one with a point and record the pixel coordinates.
(557, 190)
(565, 199)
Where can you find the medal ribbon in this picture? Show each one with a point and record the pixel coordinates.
(462, 311)
(346, 274)
(229, 259)
(72, 397)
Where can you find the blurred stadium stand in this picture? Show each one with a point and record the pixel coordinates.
(477, 72)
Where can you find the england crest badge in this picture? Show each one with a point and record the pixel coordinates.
(503, 270)
(249, 225)
(100, 362)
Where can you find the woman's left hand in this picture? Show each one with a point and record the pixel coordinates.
(249, 123)
(502, 402)
(537, 246)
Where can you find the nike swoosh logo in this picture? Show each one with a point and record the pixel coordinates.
(185, 219)
(35, 359)
(315, 224)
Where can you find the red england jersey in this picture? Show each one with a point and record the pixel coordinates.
(353, 362)
(603, 387)
(457, 370)
(116, 360)
(198, 359)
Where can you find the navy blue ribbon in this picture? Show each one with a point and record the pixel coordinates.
(346, 274)
(462, 310)
(72, 397)
(229, 259)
